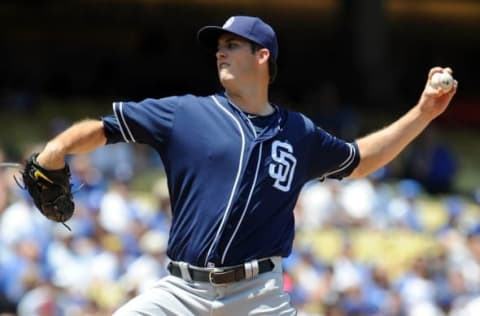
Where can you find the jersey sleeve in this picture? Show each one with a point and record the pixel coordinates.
(332, 157)
(147, 122)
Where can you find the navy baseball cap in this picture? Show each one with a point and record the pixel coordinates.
(248, 27)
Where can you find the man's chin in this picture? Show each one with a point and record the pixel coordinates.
(226, 79)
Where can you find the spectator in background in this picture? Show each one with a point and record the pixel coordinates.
(39, 301)
(432, 163)
(308, 273)
(145, 270)
(454, 294)
(24, 270)
(348, 279)
(379, 216)
(116, 162)
(318, 206)
(454, 208)
(20, 221)
(404, 209)
(470, 264)
(377, 289)
(358, 198)
(416, 288)
(89, 180)
(117, 208)
(335, 117)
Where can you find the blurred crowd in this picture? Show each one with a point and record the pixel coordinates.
(116, 246)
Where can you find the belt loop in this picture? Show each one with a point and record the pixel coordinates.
(184, 271)
(251, 269)
(255, 268)
(248, 270)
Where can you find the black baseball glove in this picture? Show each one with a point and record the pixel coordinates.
(50, 190)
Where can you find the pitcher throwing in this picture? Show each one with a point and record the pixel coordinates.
(235, 164)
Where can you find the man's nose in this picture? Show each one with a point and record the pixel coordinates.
(220, 53)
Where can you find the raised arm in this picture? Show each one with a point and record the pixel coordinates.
(82, 137)
(381, 147)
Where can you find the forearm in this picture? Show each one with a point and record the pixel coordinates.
(82, 137)
(381, 147)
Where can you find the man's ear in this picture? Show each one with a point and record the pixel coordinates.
(264, 55)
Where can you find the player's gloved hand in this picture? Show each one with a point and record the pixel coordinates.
(49, 189)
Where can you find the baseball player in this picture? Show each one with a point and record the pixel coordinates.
(235, 164)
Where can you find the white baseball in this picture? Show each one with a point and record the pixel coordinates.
(442, 81)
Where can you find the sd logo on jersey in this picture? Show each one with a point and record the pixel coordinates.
(282, 168)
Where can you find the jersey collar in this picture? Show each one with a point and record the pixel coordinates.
(273, 129)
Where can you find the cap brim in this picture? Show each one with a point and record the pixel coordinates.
(208, 36)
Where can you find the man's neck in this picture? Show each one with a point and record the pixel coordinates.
(252, 104)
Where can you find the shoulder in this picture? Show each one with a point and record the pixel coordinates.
(169, 104)
(296, 120)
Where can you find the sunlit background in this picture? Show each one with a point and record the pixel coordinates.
(405, 241)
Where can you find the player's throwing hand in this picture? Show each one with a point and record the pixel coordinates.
(435, 98)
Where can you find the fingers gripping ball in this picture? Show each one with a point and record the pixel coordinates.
(442, 81)
(49, 189)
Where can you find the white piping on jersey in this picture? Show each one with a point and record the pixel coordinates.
(345, 164)
(119, 122)
(122, 123)
(237, 177)
(247, 204)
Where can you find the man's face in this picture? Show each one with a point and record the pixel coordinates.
(235, 59)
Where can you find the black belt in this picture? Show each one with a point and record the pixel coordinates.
(227, 275)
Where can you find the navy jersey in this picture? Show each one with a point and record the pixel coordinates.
(233, 186)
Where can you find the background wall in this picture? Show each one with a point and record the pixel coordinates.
(376, 52)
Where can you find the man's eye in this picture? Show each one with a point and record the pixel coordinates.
(228, 45)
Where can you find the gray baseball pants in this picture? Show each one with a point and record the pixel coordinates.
(261, 295)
